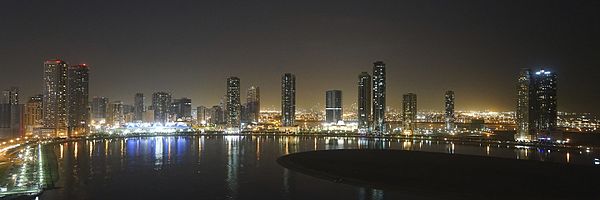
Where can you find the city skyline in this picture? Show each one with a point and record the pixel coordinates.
(476, 60)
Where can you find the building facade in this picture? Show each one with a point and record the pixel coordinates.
(161, 103)
(364, 102)
(55, 96)
(409, 113)
(379, 106)
(233, 104)
(449, 116)
(288, 100)
(333, 106)
(78, 100)
(253, 104)
(522, 113)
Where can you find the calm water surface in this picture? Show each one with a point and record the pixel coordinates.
(237, 167)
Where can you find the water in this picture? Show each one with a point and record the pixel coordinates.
(237, 167)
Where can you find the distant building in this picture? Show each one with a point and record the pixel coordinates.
(536, 114)
(364, 102)
(11, 114)
(78, 100)
(161, 102)
(253, 104)
(217, 115)
(288, 99)
(409, 113)
(55, 96)
(333, 106)
(138, 106)
(116, 114)
(202, 115)
(233, 105)
(99, 108)
(181, 109)
(379, 125)
(449, 110)
(33, 114)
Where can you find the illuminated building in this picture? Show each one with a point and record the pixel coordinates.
(379, 125)
(543, 112)
(449, 110)
(78, 99)
(55, 96)
(253, 104)
(181, 109)
(11, 114)
(364, 102)
(202, 114)
(161, 102)
(99, 108)
(138, 107)
(522, 113)
(33, 113)
(333, 106)
(288, 99)
(233, 105)
(217, 115)
(409, 112)
(116, 114)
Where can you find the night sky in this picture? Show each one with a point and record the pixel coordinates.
(188, 48)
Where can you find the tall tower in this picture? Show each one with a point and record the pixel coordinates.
(78, 103)
(55, 96)
(99, 108)
(138, 107)
(449, 114)
(409, 113)
(379, 126)
(181, 109)
(333, 106)
(288, 99)
(364, 102)
(33, 113)
(253, 104)
(543, 102)
(11, 114)
(233, 105)
(161, 101)
(522, 113)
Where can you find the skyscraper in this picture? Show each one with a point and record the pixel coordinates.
(181, 109)
(233, 105)
(333, 106)
(138, 107)
(116, 113)
(379, 125)
(364, 102)
(55, 96)
(202, 115)
(409, 113)
(253, 104)
(78, 99)
(33, 113)
(522, 114)
(99, 108)
(288, 99)
(543, 103)
(11, 114)
(10, 96)
(449, 114)
(161, 102)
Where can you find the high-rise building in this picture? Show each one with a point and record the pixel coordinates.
(233, 105)
(10, 96)
(138, 107)
(202, 115)
(364, 102)
(78, 100)
(181, 109)
(379, 125)
(288, 99)
(253, 104)
(99, 108)
(536, 114)
(409, 113)
(161, 102)
(217, 115)
(522, 114)
(333, 106)
(449, 108)
(55, 96)
(33, 113)
(116, 113)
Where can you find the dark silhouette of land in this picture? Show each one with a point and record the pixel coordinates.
(448, 176)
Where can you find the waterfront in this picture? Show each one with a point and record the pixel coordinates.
(238, 167)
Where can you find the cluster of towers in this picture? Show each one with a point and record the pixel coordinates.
(536, 113)
(371, 100)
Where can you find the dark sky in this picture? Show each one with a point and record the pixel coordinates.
(189, 47)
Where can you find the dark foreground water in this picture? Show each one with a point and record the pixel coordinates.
(239, 167)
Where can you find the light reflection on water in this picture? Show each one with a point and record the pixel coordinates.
(238, 167)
